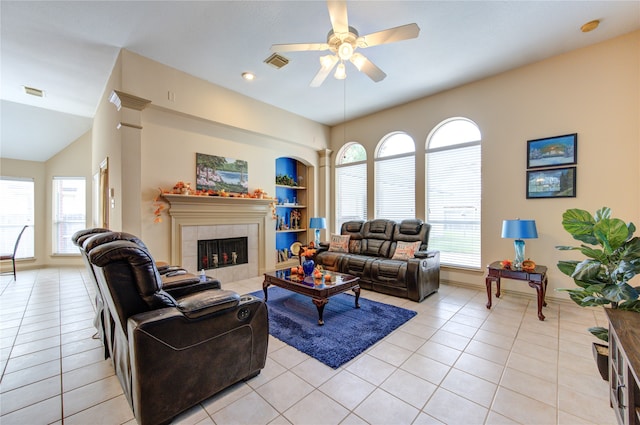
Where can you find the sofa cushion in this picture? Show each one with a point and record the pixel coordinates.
(355, 246)
(410, 227)
(339, 243)
(376, 247)
(405, 250)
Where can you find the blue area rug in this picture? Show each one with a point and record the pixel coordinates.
(347, 331)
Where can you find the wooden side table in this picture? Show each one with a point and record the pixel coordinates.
(537, 279)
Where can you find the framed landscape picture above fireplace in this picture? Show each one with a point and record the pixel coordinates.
(219, 173)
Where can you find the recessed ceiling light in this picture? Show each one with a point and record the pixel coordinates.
(248, 76)
(590, 26)
(33, 91)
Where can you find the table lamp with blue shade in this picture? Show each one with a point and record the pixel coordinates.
(317, 223)
(519, 230)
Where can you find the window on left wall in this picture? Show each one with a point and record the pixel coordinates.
(69, 212)
(16, 211)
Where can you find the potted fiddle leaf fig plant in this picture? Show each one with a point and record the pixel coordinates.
(613, 259)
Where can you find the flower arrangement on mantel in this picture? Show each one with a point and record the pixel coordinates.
(182, 188)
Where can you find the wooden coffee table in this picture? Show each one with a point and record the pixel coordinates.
(319, 293)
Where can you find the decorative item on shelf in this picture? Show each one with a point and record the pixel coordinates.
(317, 223)
(182, 188)
(519, 229)
(295, 219)
(283, 180)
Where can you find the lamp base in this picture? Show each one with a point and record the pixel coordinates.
(518, 244)
(317, 239)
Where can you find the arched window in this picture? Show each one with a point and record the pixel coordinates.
(395, 177)
(454, 191)
(351, 184)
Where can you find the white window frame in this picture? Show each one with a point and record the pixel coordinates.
(64, 226)
(352, 191)
(454, 211)
(17, 209)
(395, 181)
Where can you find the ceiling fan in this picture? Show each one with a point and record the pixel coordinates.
(342, 42)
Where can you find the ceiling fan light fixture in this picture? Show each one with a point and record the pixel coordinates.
(358, 60)
(327, 61)
(345, 51)
(341, 72)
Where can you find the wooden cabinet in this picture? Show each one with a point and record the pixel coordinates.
(292, 209)
(624, 365)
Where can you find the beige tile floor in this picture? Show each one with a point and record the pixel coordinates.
(455, 363)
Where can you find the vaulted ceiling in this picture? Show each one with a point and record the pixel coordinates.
(68, 49)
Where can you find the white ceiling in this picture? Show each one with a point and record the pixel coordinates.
(68, 49)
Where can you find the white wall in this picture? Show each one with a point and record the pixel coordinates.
(591, 91)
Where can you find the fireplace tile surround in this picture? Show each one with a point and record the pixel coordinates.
(192, 234)
(195, 218)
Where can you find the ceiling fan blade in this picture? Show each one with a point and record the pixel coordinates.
(299, 47)
(404, 32)
(338, 16)
(327, 64)
(365, 65)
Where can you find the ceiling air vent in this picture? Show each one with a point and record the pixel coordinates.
(33, 91)
(276, 60)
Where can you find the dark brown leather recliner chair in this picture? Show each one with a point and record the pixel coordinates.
(171, 353)
(176, 281)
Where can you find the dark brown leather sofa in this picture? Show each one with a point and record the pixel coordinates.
(171, 352)
(372, 245)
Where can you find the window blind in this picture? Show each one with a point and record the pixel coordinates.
(453, 204)
(351, 187)
(69, 212)
(395, 187)
(16, 211)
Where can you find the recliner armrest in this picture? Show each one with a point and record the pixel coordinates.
(425, 254)
(207, 302)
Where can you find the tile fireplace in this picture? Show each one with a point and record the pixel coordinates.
(198, 218)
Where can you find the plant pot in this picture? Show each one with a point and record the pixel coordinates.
(601, 355)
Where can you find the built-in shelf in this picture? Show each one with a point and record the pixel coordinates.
(293, 208)
(292, 187)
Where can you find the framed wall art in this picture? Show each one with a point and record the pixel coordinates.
(552, 183)
(552, 151)
(220, 173)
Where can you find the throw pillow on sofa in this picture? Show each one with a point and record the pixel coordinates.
(339, 243)
(405, 250)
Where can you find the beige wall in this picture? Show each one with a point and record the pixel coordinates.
(202, 118)
(70, 162)
(591, 91)
(106, 143)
